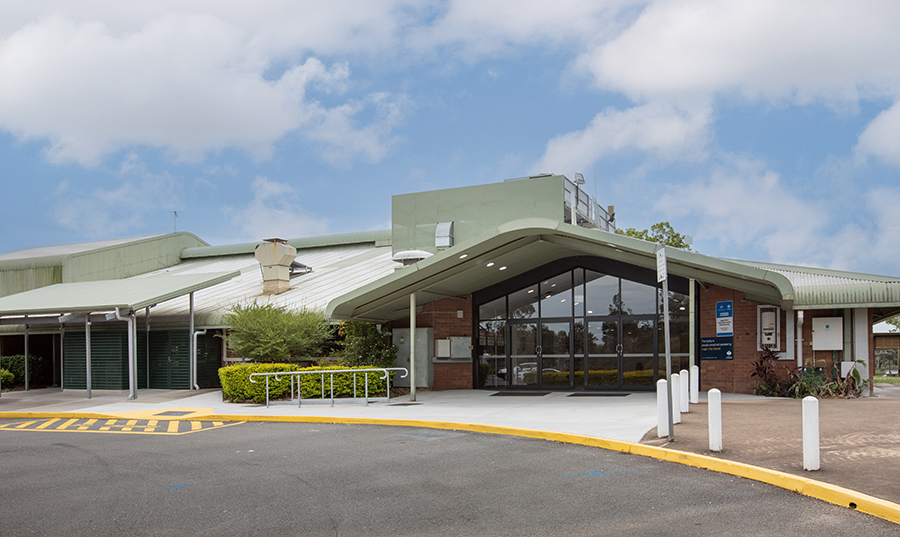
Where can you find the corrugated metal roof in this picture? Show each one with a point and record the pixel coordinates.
(100, 296)
(66, 249)
(822, 288)
(335, 270)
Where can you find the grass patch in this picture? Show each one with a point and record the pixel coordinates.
(886, 380)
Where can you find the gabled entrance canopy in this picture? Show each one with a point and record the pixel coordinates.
(522, 245)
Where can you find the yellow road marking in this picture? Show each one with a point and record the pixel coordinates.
(47, 423)
(87, 425)
(129, 425)
(173, 427)
(66, 424)
(196, 425)
(26, 424)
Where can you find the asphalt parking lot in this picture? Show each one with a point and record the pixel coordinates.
(326, 479)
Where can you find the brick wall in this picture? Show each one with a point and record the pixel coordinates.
(443, 317)
(733, 376)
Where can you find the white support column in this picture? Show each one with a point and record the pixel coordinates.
(87, 353)
(799, 339)
(676, 398)
(810, 433)
(789, 335)
(26, 356)
(683, 394)
(692, 341)
(191, 372)
(861, 330)
(662, 409)
(412, 347)
(695, 384)
(714, 401)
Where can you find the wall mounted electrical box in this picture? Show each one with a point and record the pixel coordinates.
(828, 334)
(768, 327)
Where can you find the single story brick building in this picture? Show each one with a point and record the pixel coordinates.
(518, 285)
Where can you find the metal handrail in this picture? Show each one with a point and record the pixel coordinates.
(331, 373)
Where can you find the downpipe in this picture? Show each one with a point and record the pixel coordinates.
(132, 372)
(194, 384)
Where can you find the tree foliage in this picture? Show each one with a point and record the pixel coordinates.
(895, 324)
(268, 333)
(363, 345)
(661, 233)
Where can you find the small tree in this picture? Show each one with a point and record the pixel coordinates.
(662, 233)
(363, 345)
(268, 333)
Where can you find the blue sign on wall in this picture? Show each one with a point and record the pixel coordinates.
(717, 348)
(725, 318)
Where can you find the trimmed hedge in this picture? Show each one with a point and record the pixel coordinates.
(6, 378)
(37, 369)
(606, 377)
(236, 385)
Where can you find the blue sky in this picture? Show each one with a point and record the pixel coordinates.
(767, 130)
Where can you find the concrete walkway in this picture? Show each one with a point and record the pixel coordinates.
(624, 418)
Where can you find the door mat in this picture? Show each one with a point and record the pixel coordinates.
(519, 394)
(599, 394)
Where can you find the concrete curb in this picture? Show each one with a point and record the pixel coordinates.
(826, 492)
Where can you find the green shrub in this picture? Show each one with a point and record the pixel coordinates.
(236, 385)
(37, 369)
(363, 345)
(6, 378)
(269, 333)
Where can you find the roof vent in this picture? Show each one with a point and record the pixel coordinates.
(410, 257)
(443, 235)
(275, 256)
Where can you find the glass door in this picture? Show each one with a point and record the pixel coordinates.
(555, 353)
(522, 368)
(638, 349)
(620, 352)
(602, 366)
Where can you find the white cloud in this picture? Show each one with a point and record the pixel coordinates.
(665, 131)
(744, 210)
(187, 84)
(805, 50)
(881, 138)
(122, 209)
(275, 211)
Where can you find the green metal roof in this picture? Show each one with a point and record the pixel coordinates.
(379, 237)
(522, 245)
(99, 296)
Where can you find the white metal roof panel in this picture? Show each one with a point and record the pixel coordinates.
(107, 295)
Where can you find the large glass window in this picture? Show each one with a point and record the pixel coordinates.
(556, 296)
(523, 304)
(602, 294)
(581, 328)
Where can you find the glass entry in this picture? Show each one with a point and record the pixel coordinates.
(620, 352)
(523, 357)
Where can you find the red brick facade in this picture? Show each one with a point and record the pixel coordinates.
(733, 376)
(443, 317)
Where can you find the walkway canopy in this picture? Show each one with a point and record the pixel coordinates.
(66, 302)
(522, 245)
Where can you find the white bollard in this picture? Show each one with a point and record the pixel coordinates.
(676, 403)
(715, 419)
(695, 384)
(810, 433)
(683, 395)
(662, 409)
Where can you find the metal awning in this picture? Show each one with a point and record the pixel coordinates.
(522, 245)
(107, 295)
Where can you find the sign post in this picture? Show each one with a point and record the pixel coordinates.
(662, 275)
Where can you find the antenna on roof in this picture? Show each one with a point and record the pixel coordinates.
(579, 179)
(174, 221)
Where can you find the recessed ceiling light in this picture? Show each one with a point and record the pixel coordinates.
(531, 290)
(464, 256)
(590, 311)
(563, 300)
(502, 268)
(491, 264)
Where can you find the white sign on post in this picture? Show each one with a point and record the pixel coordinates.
(661, 269)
